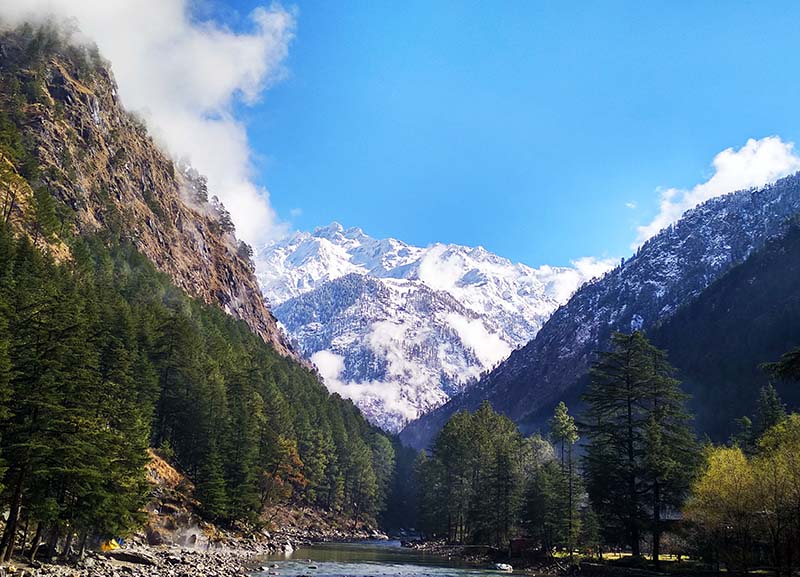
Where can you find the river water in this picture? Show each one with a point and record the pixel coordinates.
(367, 559)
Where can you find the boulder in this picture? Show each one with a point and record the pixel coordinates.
(131, 556)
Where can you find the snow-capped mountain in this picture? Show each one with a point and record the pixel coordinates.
(668, 271)
(400, 328)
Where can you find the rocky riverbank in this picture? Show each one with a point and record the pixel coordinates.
(177, 542)
(473, 554)
(486, 556)
(159, 561)
(227, 557)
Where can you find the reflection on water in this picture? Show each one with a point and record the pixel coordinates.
(368, 559)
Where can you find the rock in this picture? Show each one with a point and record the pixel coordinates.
(131, 556)
(155, 537)
(173, 559)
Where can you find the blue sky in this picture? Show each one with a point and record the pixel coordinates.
(530, 128)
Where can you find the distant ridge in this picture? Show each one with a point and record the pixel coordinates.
(668, 271)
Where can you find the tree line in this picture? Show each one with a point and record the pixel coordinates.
(102, 357)
(629, 476)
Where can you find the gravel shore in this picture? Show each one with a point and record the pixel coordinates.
(162, 561)
(225, 559)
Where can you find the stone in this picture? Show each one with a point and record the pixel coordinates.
(131, 556)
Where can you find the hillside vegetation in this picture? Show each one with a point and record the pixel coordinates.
(104, 354)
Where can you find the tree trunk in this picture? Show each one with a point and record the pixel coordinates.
(633, 519)
(67, 545)
(656, 525)
(82, 547)
(52, 542)
(37, 541)
(25, 533)
(10, 532)
(569, 534)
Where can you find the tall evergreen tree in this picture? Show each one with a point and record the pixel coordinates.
(211, 485)
(770, 410)
(641, 451)
(565, 434)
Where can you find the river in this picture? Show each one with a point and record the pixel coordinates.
(367, 559)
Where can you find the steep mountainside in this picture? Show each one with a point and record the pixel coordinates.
(103, 355)
(97, 160)
(668, 271)
(749, 316)
(399, 328)
(392, 347)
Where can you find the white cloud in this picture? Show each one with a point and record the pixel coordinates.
(184, 77)
(488, 347)
(562, 282)
(757, 163)
(387, 396)
(630, 205)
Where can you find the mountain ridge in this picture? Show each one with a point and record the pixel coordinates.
(667, 271)
(438, 318)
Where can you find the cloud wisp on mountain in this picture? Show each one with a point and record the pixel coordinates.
(185, 77)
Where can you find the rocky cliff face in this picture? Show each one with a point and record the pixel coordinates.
(668, 271)
(97, 159)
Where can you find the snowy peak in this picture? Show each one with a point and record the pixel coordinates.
(400, 328)
(303, 261)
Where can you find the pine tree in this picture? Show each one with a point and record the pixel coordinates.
(641, 450)
(101, 356)
(565, 433)
(787, 367)
(210, 488)
(769, 410)
(473, 484)
(45, 214)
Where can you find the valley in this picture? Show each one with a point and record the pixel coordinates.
(192, 386)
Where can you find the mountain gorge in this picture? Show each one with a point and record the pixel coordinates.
(131, 319)
(669, 271)
(399, 328)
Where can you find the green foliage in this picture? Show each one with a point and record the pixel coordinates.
(720, 339)
(485, 483)
(102, 357)
(74, 432)
(641, 451)
(45, 214)
(565, 488)
(472, 487)
(742, 507)
(787, 368)
(769, 410)
(211, 486)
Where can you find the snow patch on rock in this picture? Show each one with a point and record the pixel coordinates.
(398, 328)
